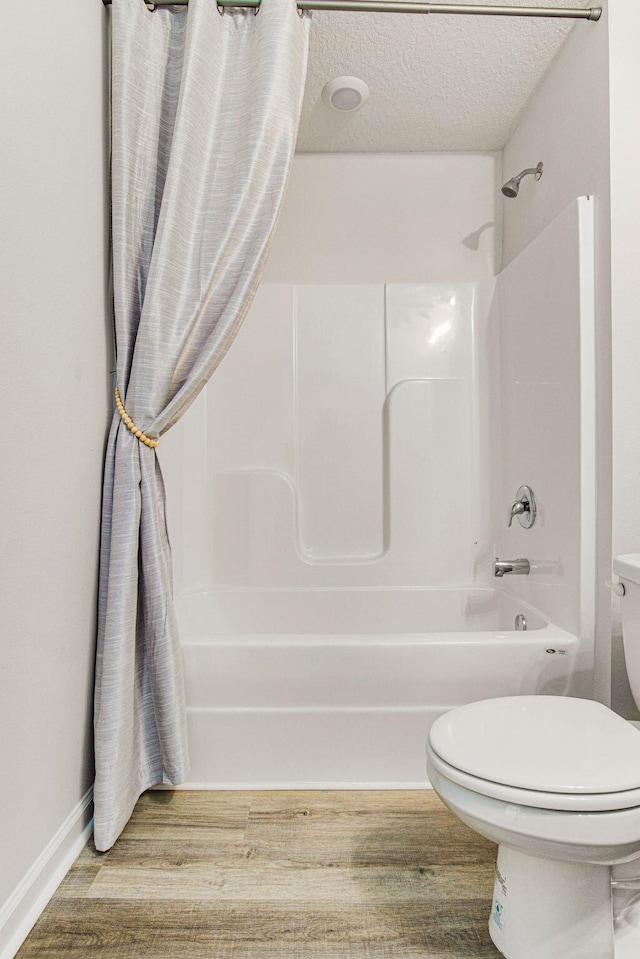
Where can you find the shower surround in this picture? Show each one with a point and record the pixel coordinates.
(340, 443)
(336, 499)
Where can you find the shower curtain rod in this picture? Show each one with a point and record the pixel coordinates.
(389, 6)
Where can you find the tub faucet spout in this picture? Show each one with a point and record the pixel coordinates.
(515, 567)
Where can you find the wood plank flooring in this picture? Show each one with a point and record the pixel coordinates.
(277, 875)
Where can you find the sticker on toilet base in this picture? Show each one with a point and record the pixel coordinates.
(498, 915)
(499, 897)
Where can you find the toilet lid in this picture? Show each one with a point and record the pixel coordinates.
(545, 743)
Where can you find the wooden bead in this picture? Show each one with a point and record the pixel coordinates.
(128, 422)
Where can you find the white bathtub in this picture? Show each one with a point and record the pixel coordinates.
(338, 687)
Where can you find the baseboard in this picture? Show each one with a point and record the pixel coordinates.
(21, 911)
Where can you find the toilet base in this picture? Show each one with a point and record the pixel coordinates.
(626, 909)
(546, 909)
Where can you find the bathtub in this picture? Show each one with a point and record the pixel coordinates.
(330, 688)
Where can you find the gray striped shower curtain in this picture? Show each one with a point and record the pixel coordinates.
(205, 111)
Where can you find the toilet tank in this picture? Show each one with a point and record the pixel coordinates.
(628, 569)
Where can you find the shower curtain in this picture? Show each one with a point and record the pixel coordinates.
(205, 114)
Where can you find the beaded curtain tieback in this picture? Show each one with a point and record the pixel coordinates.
(128, 422)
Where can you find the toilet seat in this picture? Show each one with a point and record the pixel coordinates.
(537, 799)
(543, 751)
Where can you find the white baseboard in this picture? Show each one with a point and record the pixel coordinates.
(21, 911)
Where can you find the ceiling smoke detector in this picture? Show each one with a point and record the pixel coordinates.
(345, 94)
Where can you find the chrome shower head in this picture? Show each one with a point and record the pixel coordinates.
(512, 186)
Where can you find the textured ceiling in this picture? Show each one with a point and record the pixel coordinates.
(437, 82)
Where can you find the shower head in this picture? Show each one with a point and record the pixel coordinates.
(512, 186)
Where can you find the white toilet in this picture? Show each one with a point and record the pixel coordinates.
(556, 782)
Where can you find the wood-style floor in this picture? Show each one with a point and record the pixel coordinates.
(277, 875)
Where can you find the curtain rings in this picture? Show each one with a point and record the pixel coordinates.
(221, 9)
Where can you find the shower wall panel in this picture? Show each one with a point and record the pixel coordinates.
(335, 446)
(544, 312)
(339, 397)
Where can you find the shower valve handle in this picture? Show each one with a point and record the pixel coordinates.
(524, 507)
(516, 509)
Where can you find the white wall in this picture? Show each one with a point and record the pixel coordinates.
(624, 37)
(566, 125)
(54, 391)
(376, 218)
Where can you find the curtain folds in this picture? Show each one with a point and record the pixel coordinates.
(205, 115)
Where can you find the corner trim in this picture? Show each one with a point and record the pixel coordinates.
(28, 900)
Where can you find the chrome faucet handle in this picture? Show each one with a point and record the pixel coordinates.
(516, 509)
(524, 507)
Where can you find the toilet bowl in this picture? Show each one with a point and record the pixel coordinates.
(556, 783)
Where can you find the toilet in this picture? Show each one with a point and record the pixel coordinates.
(555, 781)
